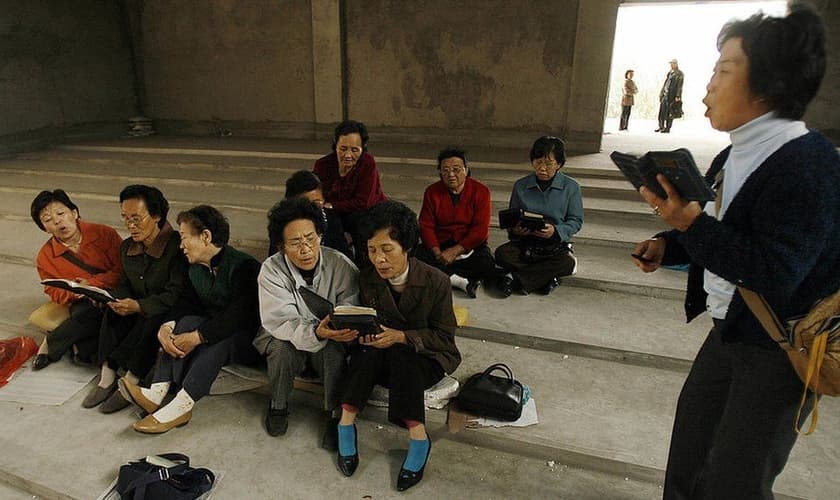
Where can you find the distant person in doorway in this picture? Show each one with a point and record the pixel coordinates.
(670, 98)
(627, 99)
(455, 224)
(773, 230)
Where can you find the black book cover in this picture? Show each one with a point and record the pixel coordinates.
(677, 166)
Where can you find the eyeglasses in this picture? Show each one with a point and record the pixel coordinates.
(298, 243)
(134, 220)
(453, 170)
(544, 163)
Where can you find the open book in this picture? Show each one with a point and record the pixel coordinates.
(533, 221)
(359, 318)
(90, 291)
(677, 166)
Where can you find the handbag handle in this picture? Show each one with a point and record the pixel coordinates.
(161, 474)
(176, 457)
(499, 366)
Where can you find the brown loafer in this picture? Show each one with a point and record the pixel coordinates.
(135, 395)
(98, 394)
(151, 425)
(114, 403)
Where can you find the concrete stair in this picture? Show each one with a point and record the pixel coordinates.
(605, 354)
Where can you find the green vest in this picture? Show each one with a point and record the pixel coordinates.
(214, 291)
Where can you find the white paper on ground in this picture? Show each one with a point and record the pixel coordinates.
(529, 417)
(53, 385)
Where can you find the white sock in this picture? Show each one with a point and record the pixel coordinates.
(156, 392)
(107, 377)
(132, 378)
(180, 404)
(44, 349)
(459, 282)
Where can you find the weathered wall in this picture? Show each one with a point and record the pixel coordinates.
(62, 63)
(229, 60)
(824, 112)
(436, 64)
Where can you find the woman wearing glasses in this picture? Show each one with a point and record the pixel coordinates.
(153, 276)
(536, 259)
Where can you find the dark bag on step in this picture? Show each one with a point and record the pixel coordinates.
(140, 479)
(491, 396)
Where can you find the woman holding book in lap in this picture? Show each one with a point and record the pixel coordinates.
(416, 346)
(537, 259)
(78, 251)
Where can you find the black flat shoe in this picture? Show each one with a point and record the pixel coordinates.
(550, 286)
(348, 465)
(41, 361)
(506, 286)
(406, 478)
(329, 440)
(276, 421)
(472, 287)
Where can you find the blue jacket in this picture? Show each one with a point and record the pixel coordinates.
(562, 201)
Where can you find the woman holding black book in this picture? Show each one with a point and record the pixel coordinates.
(416, 346)
(536, 259)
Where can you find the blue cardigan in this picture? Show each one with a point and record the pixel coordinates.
(780, 237)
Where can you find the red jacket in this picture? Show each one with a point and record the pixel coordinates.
(357, 191)
(100, 248)
(467, 223)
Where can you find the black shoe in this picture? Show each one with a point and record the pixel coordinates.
(276, 421)
(348, 465)
(658, 130)
(329, 439)
(666, 131)
(406, 478)
(41, 361)
(472, 287)
(506, 285)
(550, 286)
(114, 403)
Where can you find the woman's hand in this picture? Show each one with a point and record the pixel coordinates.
(449, 255)
(166, 337)
(648, 254)
(186, 342)
(546, 232)
(677, 212)
(323, 331)
(125, 307)
(384, 339)
(519, 230)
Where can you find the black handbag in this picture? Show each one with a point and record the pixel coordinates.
(486, 395)
(140, 479)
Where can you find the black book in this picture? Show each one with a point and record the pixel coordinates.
(677, 166)
(90, 291)
(533, 221)
(319, 306)
(362, 319)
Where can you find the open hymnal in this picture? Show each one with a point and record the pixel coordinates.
(533, 221)
(362, 319)
(90, 291)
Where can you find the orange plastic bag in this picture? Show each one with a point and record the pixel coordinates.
(13, 354)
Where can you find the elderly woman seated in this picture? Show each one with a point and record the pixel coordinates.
(416, 345)
(78, 251)
(212, 324)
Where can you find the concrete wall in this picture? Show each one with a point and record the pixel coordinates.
(62, 63)
(824, 112)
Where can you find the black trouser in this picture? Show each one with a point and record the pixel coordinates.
(733, 430)
(333, 238)
(535, 272)
(352, 223)
(403, 371)
(130, 342)
(625, 117)
(479, 265)
(665, 118)
(81, 329)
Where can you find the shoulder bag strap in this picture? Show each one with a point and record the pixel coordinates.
(81, 264)
(768, 319)
(161, 474)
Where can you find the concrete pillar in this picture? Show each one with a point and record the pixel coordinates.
(824, 112)
(326, 64)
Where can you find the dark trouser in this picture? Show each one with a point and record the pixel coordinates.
(285, 362)
(733, 430)
(333, 238)
(196, 372)
(665, 119)
(81, 329)
(625, 117)
(404, 372)
(130, 342)
(536, 272)
(352, 223)
(479, 265)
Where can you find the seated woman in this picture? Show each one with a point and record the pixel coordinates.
(351, 181)
(212, 324)
(416, 347)
(153, 276)
(79, 251)
(537, 259)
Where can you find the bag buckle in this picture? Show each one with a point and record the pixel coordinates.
(163, 473)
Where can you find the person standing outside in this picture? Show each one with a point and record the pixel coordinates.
(627, 99)
(670, 96)
(773, 230)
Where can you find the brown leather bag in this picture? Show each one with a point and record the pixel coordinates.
(812, 343)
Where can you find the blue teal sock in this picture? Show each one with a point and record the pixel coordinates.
(346, 440)
(417, 452)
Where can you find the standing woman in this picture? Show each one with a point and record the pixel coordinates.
(416, 347)
(627, 99)
(153, 276)
(350, 181)
(79, 251)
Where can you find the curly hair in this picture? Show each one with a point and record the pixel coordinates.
(292, 209)
(206, 217)
(156, 203)
(400, 221)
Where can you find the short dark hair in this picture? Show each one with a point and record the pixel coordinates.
(452, 152)
(302, 181)
(206, 217)
(546, 145)
(400, 221)
(292, 209)
(628, 72)
(43, 199)
(348, 127)
(155, 202)
(786, 56)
